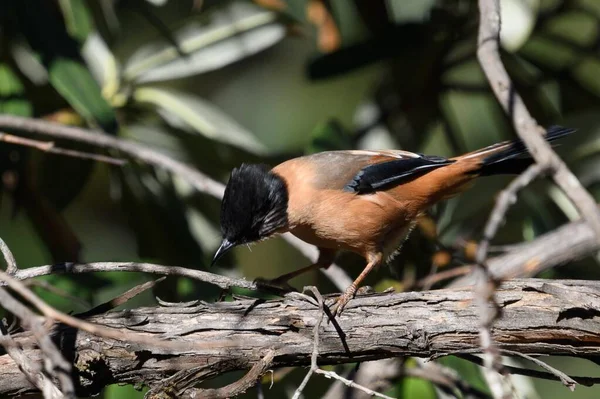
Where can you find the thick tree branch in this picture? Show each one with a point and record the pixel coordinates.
(538, 317)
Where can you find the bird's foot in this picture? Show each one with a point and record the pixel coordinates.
(342, 301)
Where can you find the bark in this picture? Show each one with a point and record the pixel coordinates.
(558, 317)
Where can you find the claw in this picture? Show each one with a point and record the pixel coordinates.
(340, 304)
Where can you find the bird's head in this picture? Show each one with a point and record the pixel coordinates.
(254, 207)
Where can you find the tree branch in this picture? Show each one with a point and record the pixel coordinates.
(538, 317)
(488, 54)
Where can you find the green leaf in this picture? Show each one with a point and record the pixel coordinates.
(229, 34)
(62, 179)
(189, 112)
(77, 18)
(76, 84)
(12, 99)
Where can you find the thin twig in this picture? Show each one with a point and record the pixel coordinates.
(49, 147)
(314, 368)
(223, 282)
(33, 373)
(238, 387)
(54, 363)
(9, 259)
(443, 276)
(97, 138)
(486, 285)
(444, 377)
(585, 381)
(31, 370)
(121, 299)
(315, 352)
(564, 378)
(565, 244)
(350, 383)
(488, 54)
(505, 200)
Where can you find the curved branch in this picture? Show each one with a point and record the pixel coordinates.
(488, 54)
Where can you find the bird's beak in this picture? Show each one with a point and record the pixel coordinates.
(225, 246)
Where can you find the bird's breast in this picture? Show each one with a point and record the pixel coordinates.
(359, 223)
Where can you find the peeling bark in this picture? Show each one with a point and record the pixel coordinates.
(558, 317)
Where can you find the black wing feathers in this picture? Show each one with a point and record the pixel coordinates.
(515, 158)
(392, 173)
(517, 147)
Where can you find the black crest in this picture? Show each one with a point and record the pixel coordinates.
(254, 204)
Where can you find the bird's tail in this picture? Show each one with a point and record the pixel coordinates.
(509, 157)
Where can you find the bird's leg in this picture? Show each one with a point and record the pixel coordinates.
(342, 301)
(326, 257)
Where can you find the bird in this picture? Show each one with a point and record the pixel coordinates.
(362, 201)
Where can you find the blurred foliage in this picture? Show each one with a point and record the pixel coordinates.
(217, 83)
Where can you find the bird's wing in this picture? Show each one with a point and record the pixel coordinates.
(364, 171)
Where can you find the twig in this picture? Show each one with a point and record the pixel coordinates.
(97, 138)
(484, 289)
(564, 378)
(315, 352)
(31, 370)
(54, 363)
(486, 285)
(9, 259)
(49, 147)
(121, 299)
(552, 376)
(445, 378)
(443, 275)
(223, 282)
(546, 159)
(567, 243)
(506, 199)
(238, 387)
(314, 368)
(352, 384)
(196, 179)
(526, 126)
(377, 375)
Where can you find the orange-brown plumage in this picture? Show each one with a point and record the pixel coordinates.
(366, 202)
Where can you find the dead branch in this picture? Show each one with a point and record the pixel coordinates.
(50, 147)
(538, 317)
(488, 54)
